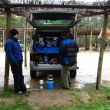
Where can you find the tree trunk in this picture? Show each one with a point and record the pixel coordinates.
(102, 47)
(8, 27)
(90, 45)
(25, 46)
(3, 38)
(86, 43)
(96, 46)
(74, 31)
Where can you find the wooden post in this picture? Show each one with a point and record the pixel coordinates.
(96, 46)
(3, 33)
(25, 47)
(102, 47)
(8, 27)
(75, 32)
(90, 45)
(86, 43)
(25, 62)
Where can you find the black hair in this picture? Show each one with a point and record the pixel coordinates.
(71, 36)
(67, 34)
(13, 32)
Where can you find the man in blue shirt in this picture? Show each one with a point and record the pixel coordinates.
(14, 55)
(68, 56)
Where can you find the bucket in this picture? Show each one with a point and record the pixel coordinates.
(50, 84)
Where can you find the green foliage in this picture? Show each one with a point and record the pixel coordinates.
(95, 22)
(2, 21)
(91, 22)
(17, 22)
(108, 21)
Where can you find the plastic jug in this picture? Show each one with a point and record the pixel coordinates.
(50, 83)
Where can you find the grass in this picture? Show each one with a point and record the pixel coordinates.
(6, 93)
(17, 103)
(16, 106)
(97, 100)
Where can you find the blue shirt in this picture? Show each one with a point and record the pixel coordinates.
(13, 51)
(67, 49)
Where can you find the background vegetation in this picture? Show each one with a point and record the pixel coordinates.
(95, 22)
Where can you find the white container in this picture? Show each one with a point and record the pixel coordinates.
(41, 83)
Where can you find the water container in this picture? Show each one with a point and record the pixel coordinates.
(50, 84)
(41, 82)
(46, 59)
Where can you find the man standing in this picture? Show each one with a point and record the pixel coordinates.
(68, 57)
(14, 55)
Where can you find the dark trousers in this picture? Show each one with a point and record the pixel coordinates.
(18, 77)
(65, 75)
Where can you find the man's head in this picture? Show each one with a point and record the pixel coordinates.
(55, 41)
(14, 33)
(67, 34)
(63, 35)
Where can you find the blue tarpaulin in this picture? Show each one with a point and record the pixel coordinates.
(45, 50)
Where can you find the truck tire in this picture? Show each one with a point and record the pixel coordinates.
(33, 74)
(73, 74)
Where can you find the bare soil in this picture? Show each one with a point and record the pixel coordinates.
(7, 101)
(49, 98)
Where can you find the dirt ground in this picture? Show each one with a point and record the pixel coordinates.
(57, 96)
(49, 98)
(46, 98)
(42, 99)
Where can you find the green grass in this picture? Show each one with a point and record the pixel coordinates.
(98, 100)
(78, 108)
(19, 103)
(6, 93)
(16, 106)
